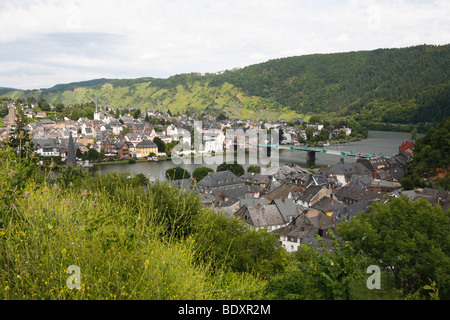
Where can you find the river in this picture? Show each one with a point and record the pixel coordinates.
(379, 142)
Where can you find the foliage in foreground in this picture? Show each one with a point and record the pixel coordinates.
(124, 239)
(133, 240)
(409, 239)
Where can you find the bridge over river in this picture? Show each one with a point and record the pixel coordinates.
(311, 151)
(311, 156)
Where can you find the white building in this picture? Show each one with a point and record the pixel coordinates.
(46, 147)
(213, 142)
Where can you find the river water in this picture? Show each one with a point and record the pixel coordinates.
(378, 142)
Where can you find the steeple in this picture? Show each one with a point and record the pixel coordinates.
(71, 152)
(97, 115)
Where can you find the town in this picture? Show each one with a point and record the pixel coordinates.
(295, 203)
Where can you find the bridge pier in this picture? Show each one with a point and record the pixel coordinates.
(311, 156)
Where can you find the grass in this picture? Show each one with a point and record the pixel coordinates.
(129, 242)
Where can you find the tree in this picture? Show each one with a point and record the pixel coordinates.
(410, 239)
(92, 154)
(323, 135)
(430, 155)
(340, 136)
(78, 153)
(177, 173)
(140, 180)
(309, 133)
(70, 174)
(254, 169)
(201, 172)
(414, 134)
(315, 119)
(161, 145)
(229, 243)
(169, 147)
(222, 116)
(235, 168)
(43, 105)
(19, 139)
(319, 274)
(137, 113)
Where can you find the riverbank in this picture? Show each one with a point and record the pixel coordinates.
(128, 161)
(377, 142)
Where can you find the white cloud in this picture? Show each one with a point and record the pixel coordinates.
(161, 38)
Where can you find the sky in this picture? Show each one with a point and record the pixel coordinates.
(49, 42)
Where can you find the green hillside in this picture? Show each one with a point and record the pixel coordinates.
(190, 95)
(399, 86)
(380, 89)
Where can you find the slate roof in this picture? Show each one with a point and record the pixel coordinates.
(253, 202)
(309, 193)
(384, 184)
(435, 196)
(133, 136)
(363, 194)
(362, 181)
(348, 169)
(282, 192)
(238, 192)
(352, 210)
(263, 216)
(45, 143)
(207, 198)
(397, 172)
(289, 173)
(218, 179)
(375, 163)
(403, 158)
(186, 185)
(256, 178)
(287, 208)
(146, 144)
(326, 204)
(317, 180)
(302, 229)
(320, 219)
(120, 144)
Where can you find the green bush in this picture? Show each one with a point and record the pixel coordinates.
(129, 242)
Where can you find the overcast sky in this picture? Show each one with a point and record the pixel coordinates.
(48, 42)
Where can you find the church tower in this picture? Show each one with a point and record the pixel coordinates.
(11, 114)
(96, 113)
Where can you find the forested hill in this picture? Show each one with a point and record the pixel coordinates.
(408, 85)
(378, 88)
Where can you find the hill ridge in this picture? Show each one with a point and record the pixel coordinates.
(397, 85)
